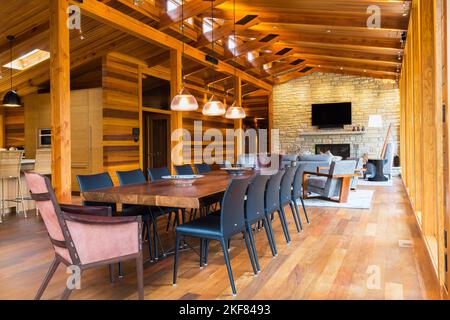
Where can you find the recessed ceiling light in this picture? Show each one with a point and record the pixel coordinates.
(365, 70)
(275, 27)
(28, 60)
(328, 31)
(342, 68)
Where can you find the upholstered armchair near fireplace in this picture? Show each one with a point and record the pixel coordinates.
(331, 185)
(85, 237)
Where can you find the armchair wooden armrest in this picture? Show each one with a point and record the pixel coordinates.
(319, 169)
(335, 176)
(318, 174)
(345, 182)
(92, 219)
(87, 210)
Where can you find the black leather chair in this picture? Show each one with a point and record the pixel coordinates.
(185, 169)
(220, 227)
(137, 177)
(297, 189)
(254, 213)
(202, 168)
(272, 205)
(156, 174)
(286, 195)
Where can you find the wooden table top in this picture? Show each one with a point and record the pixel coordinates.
(164, 193)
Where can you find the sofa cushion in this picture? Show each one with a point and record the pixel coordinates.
(289, 157)
(317, 182)
(316, 158)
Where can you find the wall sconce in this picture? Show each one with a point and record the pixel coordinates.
(135, 134)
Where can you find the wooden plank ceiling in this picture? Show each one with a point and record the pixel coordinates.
(288, 39)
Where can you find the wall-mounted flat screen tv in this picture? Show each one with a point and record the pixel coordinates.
(332, 115)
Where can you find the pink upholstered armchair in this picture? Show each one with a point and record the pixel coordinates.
(86, 237)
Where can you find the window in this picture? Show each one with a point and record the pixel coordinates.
(28, 60)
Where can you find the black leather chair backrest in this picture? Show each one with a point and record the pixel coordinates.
(202, 168)
(156, 174)
(272, 195)
(131, 177)
(286, 185)
(185, 169)
(232, 220)
(254, 206)
(298, 181)
(94, 182)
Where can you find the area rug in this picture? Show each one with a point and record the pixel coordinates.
(360, 199)
(362, 182)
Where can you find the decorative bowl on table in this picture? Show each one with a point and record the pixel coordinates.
(237, 171)
(183, 180)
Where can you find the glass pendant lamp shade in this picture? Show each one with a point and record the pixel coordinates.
(184, 101)
(235, 112)
(213, 107)
(11, 99)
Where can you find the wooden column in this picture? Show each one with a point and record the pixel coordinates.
(238, 122)
(269, 120)
(2, 127)
(177, 117)
(60, 100)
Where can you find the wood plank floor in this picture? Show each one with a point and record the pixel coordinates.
(337, 256)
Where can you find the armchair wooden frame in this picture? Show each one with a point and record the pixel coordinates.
(90, 216)
(345, 186)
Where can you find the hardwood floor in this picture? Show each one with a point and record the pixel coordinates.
(337, 256)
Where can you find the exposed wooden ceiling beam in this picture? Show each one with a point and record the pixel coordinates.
(292, 75)
(136, 28)
(153, 12)
(339, 18)
(191, 9)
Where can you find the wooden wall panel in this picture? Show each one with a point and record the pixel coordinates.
(219, 123)
(14, 127)
(423, 155)
(120, 114)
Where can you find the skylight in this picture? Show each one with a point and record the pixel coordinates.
(231, 42)
(28, 60)
(173, 4)
(207, 25)
(252, 55)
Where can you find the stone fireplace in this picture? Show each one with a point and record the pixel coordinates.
(343, 150)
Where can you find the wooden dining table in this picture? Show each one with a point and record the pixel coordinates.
(164, 193)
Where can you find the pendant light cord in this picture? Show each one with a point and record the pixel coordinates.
(212, 42)
(235, 46)
(11, 65)
(182, 32)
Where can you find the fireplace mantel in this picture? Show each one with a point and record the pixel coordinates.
(331, 132)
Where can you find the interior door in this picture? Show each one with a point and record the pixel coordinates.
(156, 140)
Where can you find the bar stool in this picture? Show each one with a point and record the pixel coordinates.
(43, 166)
(10, 170)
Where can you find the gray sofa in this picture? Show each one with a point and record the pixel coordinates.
(310, 161)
